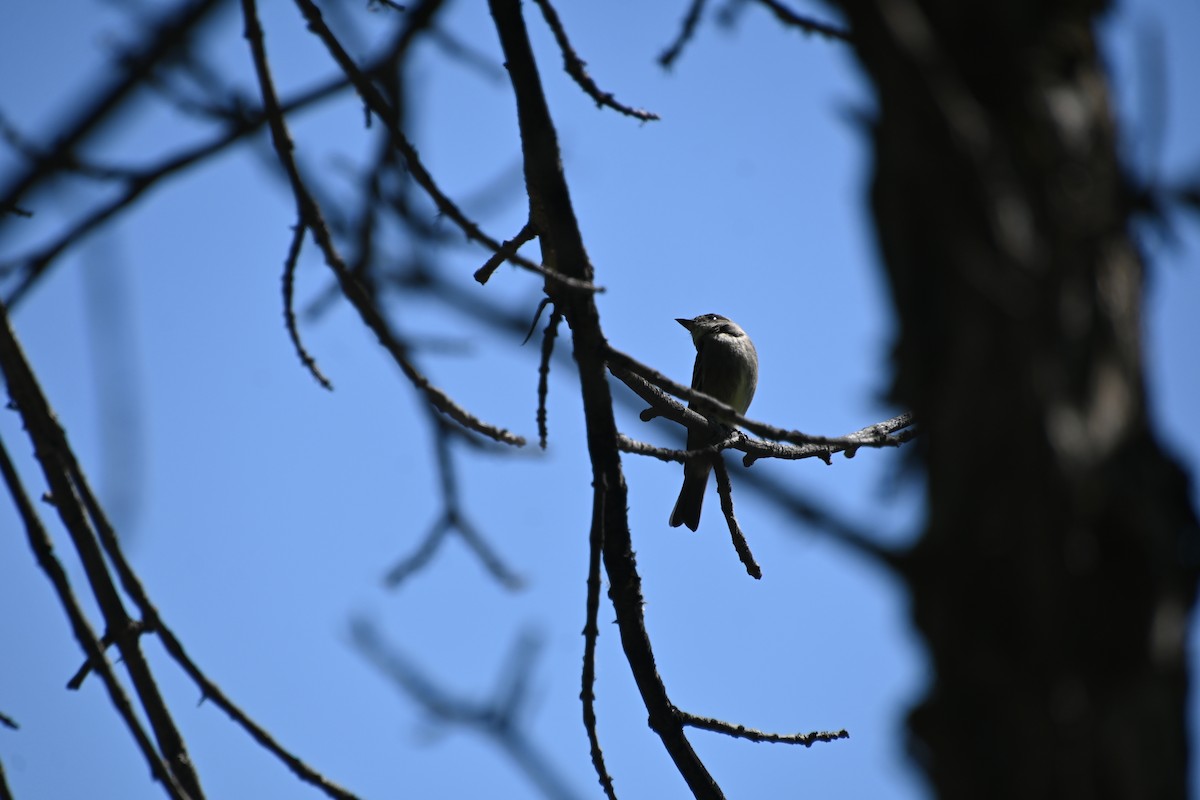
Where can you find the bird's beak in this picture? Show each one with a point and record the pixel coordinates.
(687, 323)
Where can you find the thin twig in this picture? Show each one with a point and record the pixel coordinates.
(686, 31)
(544, 373)
(577, 68)
(806, 24)
(506, 251)
(591, 632)
(497, 719)
(135, 628)
(413, 563)
(730, 440)
(466, 531)
(490, 559)
(725, 492)
(289, 314)
(451, 520)
(742, 732)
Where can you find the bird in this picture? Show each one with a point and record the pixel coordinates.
(727, 370)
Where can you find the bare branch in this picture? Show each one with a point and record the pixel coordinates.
(577, 68)
(411, 564)
(591, 632)
(686, 31)
(173, 768)
(742, 732)
(498, 720)
(730, 440)
(289, 314)
(453, 519)
(889, 433)
(507, 250)
(806, 24)
(544, 372)
(499, 570)
(725, 492)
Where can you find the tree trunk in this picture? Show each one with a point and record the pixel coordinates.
(1055, 577)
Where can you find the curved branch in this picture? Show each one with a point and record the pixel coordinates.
(577, 68)
(686, 31)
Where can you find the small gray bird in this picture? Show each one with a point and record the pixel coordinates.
(726, 370)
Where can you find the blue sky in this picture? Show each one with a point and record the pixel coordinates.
(265, 510)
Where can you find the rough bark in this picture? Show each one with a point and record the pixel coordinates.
(1057, 570)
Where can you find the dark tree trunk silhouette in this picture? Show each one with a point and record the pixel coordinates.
(1057, 569)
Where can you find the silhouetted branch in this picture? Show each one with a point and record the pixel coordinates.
(889, 433)
(544, 372)
(413, 563)
(577, 68)
(742, 732)
(806, 24)
(312, 218)
(452, 519)
(591, 632)
(725, 492)
(506, 251)
(16, 211)
(39, 541)
(686, 31)
(67, 162)
(498, 720)
(289, 315)
(136, 628)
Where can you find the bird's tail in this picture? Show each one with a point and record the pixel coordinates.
(691, 496)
